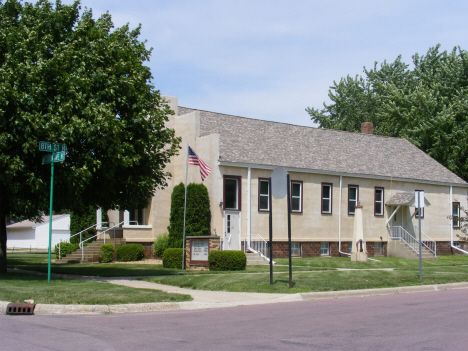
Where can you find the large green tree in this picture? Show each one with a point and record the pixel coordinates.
(427, 104)
(68, 78)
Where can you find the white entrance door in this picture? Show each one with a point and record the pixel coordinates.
(232, 232)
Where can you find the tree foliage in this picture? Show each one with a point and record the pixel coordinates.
(198, 216)
(71, 79)
(426, 104)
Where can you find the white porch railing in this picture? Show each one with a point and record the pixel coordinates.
(103, 232)
(255, 243)
(399, 233)
(427, 241)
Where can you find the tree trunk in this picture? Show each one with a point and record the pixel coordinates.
(3, 240)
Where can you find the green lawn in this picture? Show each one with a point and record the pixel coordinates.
(309, 274)
(322, 274)
(17, 287)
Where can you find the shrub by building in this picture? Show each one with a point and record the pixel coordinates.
(130, 252)
(172, 258)
(227, 260)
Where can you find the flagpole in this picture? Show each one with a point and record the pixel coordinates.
(185, 206)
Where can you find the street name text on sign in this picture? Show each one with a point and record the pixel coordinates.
(49, 147)
(55, 157)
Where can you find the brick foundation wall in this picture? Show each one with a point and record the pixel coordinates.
(444, 248)
(312, 249)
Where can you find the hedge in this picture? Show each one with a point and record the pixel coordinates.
(106, 253)
(172, 258)
(227, 260)
(65, 249)
(129, 252)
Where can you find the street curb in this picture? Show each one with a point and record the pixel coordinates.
(50, 309)
(383, 291)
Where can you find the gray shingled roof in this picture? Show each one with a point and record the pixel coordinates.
(404, 198)
(253, 141)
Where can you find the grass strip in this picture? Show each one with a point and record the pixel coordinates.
(17, 287)
(312, 281)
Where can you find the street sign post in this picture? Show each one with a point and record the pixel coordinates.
(57, 155)
(419, 204)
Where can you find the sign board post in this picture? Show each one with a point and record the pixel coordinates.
(279, 188)
(57, 155)
(419, 204)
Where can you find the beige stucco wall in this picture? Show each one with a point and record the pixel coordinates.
(311, 224)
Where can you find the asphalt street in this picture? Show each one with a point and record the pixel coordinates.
(417, 321)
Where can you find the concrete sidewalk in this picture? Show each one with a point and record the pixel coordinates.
(212, 299)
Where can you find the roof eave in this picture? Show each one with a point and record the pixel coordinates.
(354, 175)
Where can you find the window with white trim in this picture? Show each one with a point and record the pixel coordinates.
(456, 214)
(378, 249)
(324, 249)
(296, 196)
(263, 195)
(327, 197)
(295, 249)
(353, 198)
(379, 201)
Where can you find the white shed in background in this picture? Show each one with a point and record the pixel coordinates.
(29, 234)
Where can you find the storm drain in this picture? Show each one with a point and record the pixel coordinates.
(20, 308)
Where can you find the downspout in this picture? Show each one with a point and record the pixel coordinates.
(249, 219)
(339, 220)
(451, 225)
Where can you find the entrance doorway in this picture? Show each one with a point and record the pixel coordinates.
(232, 232)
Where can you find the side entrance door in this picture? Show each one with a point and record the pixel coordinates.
(232, 232)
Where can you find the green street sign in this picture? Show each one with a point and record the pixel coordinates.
(52, 158)
(45, 146)
(49, 147)
(59, 147)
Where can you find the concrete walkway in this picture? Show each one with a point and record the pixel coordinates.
(210, 299)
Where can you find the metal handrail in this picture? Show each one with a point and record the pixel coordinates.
(401, 234)
(430, 244)
(104, 232)
(257, 245)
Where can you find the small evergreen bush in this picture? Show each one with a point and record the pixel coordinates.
(106, 253)
(227, 260)
(198, 219)
(160, 244)
(172, 258)
(65, 249)
(130, 252)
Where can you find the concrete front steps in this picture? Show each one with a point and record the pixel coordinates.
(398, 248)
(255, 259)
(91, 252)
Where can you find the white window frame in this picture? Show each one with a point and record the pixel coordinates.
(356, 200)
(456, 205)
(324, 249)
(381, 201)
(260, 195)
(295, 249)
(293, 182)
(330, 186)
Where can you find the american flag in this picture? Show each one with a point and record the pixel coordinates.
(197, 161)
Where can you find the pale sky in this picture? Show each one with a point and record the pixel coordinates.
(272, 59)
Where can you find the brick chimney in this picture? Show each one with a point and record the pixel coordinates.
(367, 127)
